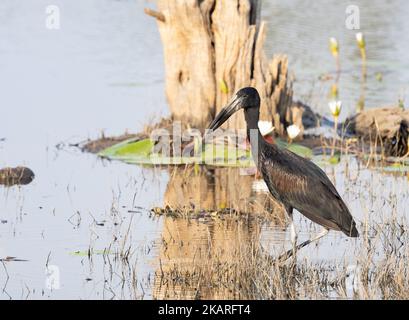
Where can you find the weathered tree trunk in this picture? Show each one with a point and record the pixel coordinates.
(212, 48)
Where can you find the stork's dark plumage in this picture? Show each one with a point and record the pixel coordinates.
(294, 181)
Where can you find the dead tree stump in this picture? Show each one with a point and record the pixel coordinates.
(212, 48)
(389, 126)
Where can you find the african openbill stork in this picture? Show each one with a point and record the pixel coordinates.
(294, 181)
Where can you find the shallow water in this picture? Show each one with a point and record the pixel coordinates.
(302, 30)
(92, 75)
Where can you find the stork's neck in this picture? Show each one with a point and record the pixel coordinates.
(253, 132)
(257, 141)
(252, 116)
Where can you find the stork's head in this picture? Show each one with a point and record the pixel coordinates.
(246, 98)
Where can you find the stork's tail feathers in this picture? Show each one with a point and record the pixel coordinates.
(352, 231)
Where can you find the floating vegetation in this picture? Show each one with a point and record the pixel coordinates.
(89, 252)
(200, 214)
(397, 167)
(299, 149)
(335, 159)
(143, 152)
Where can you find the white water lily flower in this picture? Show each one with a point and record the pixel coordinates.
(265, 127)
(360, 39)
(293, 131)
(333, 46)
(335, 107)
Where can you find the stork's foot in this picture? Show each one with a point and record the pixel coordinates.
(288, 254)
(293, 251)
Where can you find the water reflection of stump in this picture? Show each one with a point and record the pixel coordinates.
(210, 259)
(217, 189)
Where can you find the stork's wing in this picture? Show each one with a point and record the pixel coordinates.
(302, 185)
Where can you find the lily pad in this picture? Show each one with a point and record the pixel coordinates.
(396, 167)
(142, 152)
(130, 147)
(335, 159)
(302, 151)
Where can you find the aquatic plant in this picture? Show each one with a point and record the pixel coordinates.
(266, 127)
(293, 131)
(334, 49)
(335, 107)
(362, 48)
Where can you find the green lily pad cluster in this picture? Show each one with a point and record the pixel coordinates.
(397, 167)
(143, 152)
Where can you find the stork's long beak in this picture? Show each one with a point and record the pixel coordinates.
(224, 114)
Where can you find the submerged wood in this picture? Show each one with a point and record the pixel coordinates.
(387, 127)
(16, 176)
(97, 145)
(211, 49)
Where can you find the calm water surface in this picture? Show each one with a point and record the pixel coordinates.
(103, 71)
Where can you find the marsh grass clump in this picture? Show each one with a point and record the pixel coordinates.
(225, 253)
(207, 215)
(244, 273)
(385, 270)
(243, 269)
(231, 259)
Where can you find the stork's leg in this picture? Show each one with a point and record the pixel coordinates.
(319, 235)
(289, 253)
(293, 233)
